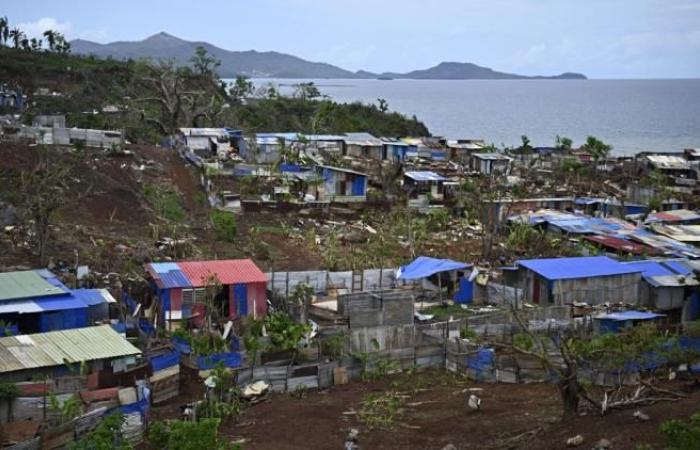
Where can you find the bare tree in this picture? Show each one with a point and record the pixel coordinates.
(44, 190)
(174, 98)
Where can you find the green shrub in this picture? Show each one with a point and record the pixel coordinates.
(224, 225)
(682, 435)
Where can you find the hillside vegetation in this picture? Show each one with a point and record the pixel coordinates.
(154, 99)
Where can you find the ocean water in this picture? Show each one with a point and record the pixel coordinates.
(631, 115)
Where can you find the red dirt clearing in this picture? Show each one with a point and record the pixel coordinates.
(513, 416)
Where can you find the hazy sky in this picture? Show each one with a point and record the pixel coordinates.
(601, 38)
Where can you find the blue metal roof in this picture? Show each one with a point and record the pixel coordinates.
(90, 297)
(58, 304)
(424, 176)
(168, 275)
(650, 268)
(577, 267)
(424, 266)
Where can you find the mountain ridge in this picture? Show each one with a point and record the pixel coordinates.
(271, 64)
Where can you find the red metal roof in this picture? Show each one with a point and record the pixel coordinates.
(229, 271)
(622, 245)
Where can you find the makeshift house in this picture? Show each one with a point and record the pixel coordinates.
(620, 321)
(68, 136)
(397, 149)
(675, 167)
(267, 148)
(30, 356)
(563, 281)
(208, 143)
(603, 207)
(424, 184)
(460, 150)
(435, 274)
(428, 147)
(339, 185)
(490, 163)
(36, 301)
(669, 286)
(181, 288)
(364, 145)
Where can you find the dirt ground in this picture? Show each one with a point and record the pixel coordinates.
(518, 416)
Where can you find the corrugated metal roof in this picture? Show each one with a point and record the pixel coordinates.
(167, 275)
(231, 271)
(577, 267)
(26, 284)
(60, 303)
(424, 175)
(621, 244)
(343, 169)
(93, 297)
(56, 348)
(20, 307)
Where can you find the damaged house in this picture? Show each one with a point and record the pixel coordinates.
(490, 163)
(669, 286)
(592, 279)
(180, 288)
(35, 301)
(364, 145)
(339, 184)
(424, 185)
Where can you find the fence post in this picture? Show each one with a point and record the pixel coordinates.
(286, 287)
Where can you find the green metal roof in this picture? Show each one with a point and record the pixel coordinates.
(25, 284)
(56, 348)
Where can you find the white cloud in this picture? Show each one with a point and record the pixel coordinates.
(36, 29)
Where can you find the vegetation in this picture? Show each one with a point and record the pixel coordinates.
(181, 435)
(107, 436)
(582, 352)
(156, 98)
(682, 435)
(68, 410)
(381, 410)
(224, 224)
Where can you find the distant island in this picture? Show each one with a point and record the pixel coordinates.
(256, 64)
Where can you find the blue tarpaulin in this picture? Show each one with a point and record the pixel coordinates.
(182, 345)
(577, 267)
(164, 361)
(229, 360)
(140, 406)
(424, 266)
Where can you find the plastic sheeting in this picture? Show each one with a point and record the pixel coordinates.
(164, 361)
(424, 266)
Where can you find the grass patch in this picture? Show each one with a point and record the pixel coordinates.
(444, 312)
(381, 410)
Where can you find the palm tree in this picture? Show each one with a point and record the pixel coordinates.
(50, 36)
(35, 44)
(597, 148)
(25, 44)
(16, 35)
(4, 29)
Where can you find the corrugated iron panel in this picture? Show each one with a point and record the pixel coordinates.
(230, 271)
(26, 284)
(58, 347)
(167, 275)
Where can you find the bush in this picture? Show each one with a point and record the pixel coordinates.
(179, 435)
(224, 225)
(107, 436)
(681, 435)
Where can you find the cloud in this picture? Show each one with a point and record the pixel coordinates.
(36, 29)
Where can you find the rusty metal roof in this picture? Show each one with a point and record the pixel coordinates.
(56, 348)
(230, 271)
